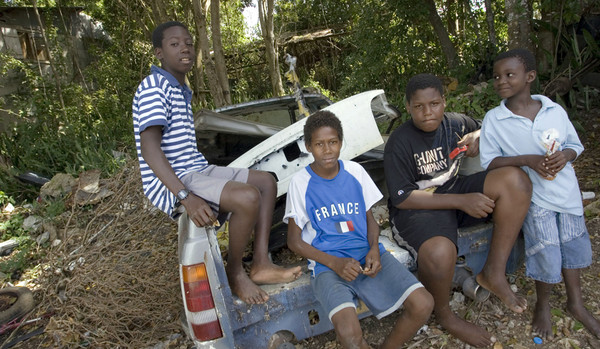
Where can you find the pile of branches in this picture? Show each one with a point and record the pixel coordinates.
(113, 280)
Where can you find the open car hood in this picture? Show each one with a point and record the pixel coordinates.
(208, 120)
(284, 153)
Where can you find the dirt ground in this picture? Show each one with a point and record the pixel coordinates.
(514, 330)
(511, 330)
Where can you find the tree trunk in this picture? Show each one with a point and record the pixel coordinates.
(159, 12)
(518, 18)
(265, 16)
(209, 66)
(221, 67)
(552, 13)
(451, 16)
(489, 18)
(442, 34)
(47, 49)
(198, 85)
(468, 15)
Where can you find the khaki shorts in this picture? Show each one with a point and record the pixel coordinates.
(209, 183)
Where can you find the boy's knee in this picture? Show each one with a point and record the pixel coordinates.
(349, 336)
(347, 327)
(437, 254)
(249, 196)
(519, 180)
(509, 179)
(419, 304)
(264, 181)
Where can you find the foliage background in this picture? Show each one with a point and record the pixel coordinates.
(375, 44)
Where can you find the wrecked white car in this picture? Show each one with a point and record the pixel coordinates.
(213, 317)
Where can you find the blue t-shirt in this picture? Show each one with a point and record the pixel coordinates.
(332, 213)
(160, 100)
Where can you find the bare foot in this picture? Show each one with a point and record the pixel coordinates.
(244, 288)
(269, 273)
(586, 318)
(466, 331)
(501, 289)
(541, 324)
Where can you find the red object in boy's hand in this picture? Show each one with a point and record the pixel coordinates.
(458, 152)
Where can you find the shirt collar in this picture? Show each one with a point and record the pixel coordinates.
(546, 104)
(187, 92)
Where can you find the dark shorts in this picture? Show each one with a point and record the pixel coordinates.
(414, 227)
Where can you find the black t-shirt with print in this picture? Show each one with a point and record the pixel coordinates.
(418, 160)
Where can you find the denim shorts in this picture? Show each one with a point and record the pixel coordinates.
(554, 241)
(382, 294)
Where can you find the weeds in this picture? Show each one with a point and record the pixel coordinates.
(25, 255)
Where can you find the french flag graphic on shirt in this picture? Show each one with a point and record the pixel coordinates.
(344, 227)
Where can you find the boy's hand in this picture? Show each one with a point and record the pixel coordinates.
(372, 262)
(347, 268)
(471, 140)
(538, 164)
(476, 205)
(555, 162)
(199, 211)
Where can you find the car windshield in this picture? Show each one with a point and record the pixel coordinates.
(277, 111)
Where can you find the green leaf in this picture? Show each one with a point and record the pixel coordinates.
(589, 39)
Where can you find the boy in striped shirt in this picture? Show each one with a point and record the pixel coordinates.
(177, 177)
(330, 223)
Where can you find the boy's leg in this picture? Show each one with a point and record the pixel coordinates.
(541, 324)
(437, 260)
(510, 188)
(263, 270)
(575, 304)
(347, 329)
(337, 298)
(242, 200)
(417, 308)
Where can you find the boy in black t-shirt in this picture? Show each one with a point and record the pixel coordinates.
(429, 201)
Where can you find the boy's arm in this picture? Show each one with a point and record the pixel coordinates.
(471, 140)
(476, 205)
(197, 209)
(557, 161)
(401, 177)
(542, 165)
(347, 268)
(572, 147)
(372, 260)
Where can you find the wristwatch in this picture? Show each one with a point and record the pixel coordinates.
(182, 194)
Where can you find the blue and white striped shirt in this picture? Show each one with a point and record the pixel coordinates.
(160, 100)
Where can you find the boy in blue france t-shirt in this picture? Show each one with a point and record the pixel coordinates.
(330, 223)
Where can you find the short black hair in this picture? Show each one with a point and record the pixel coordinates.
(522, 54)
(158, 33)
(322, 118)
(421, 82)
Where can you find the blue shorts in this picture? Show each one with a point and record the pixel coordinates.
(382, 294)
(554, 241)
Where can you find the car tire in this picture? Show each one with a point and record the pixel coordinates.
(15, 302)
